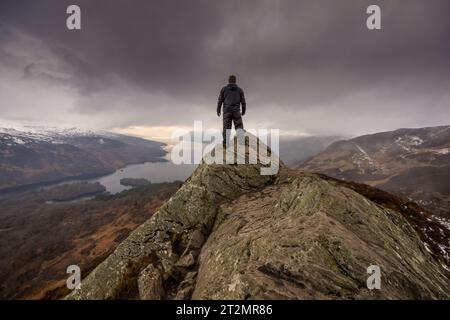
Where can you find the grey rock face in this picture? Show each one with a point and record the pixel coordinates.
(307, 238)
(232, 233)
(150, 284)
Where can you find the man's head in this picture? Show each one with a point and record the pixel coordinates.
(232, 79)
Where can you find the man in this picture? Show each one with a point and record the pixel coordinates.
(232, 97)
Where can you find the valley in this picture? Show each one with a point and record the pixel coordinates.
(50, 224)
(35, 156)
(39, 239)
(412, 163)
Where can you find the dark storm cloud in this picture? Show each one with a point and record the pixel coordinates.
(302, 60)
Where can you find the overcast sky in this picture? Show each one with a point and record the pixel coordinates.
(147, 67)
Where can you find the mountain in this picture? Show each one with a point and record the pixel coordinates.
(38, 155)
(295, 150)
(231, 233)
(413, 163)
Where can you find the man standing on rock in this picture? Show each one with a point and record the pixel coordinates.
(232, 97)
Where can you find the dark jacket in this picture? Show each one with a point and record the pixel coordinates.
(231, 96)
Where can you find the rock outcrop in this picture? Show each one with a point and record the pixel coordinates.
(232, 233)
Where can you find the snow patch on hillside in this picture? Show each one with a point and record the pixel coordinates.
(363, 161)
(409, 142)
(442, 151)
(24, 134)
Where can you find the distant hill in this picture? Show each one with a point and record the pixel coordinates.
(295, 150)
(37, 155)
(414, 163)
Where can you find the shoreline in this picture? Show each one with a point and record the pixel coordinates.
(10, 191)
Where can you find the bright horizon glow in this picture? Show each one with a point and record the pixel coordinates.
(164, 133)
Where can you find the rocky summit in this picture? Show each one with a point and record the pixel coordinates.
(231, 233)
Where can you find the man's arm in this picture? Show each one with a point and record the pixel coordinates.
(243, 102)
(220, 102)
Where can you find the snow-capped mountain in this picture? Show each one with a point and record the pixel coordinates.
(13, 136)
(32, 154)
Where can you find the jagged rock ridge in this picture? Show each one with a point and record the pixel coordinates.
(231, 233)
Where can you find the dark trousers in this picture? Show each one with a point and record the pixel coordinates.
(233, 116)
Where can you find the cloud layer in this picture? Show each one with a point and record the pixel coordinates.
(307, 66)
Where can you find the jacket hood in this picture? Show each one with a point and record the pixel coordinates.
(232, 86)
